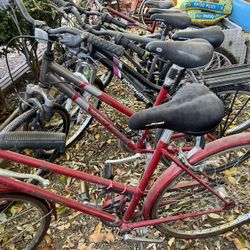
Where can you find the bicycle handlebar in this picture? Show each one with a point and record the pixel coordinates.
(105, 45)
(97, 42)
(127, 44)
(26, 15)
(106, 18)
(33, 140)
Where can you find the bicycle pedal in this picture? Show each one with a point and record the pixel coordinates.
(128, 237)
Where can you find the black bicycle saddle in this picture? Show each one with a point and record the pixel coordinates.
(187, 54)
(164, 11)
(159, 4)
(193, 110)
(213, 35)
(175, 20)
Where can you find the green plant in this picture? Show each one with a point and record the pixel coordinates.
(8, 29)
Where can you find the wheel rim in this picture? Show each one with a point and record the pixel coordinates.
(193, 197)
(22, 223)
(218, 61)
(236, 104)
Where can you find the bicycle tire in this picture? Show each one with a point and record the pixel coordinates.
(236, 99)
(227, 53)
(106, 77)
(221, 58)
(14, 207)
(141, 14)
(189, 199)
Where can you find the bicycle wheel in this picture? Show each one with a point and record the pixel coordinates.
(105, 75)
(143, 14)
(229, 176)
(24, 221)
(221, 58)
(236, 99)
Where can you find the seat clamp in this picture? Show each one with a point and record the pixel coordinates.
(175, 66)
(168, 82)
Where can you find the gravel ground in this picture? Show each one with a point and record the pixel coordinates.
(14, 60)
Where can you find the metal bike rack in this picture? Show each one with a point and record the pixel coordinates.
(232, 75)
(234, 41)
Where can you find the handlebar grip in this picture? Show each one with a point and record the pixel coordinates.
(105, 45)
(106, 18)
(119, 23)
(127, 44)
(139, 51)
(33, 140)
(61, 3)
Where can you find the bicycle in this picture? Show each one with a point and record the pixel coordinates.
(207, 185)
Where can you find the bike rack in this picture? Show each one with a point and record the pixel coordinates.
(232, 75)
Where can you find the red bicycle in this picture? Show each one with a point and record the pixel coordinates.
(204, 192)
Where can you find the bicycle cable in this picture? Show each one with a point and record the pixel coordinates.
(8, 66)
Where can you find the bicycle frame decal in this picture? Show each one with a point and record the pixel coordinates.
(117, 65)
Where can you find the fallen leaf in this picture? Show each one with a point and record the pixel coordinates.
(214, 216)
(44, 248)
(78, 146)
(85, 247)
(97, 235)
(109, 237)
(48, 239)
(82, 247)
(74, 214)
(239, 244)
(61, 210)
(63, 227)
(171, 241)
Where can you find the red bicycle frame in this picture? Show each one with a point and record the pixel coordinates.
(12, 185)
